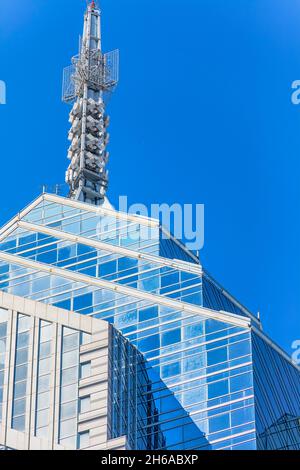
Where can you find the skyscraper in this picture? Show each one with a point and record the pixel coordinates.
(112, 334)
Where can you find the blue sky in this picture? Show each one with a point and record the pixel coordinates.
(202, 115)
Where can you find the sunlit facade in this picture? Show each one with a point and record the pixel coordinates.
(189, 368)
(112, 335)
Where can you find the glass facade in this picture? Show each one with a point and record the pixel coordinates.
(43, 397)
(277, 392)
(181, 377)
(22, 370)
(187, 282)
(68, 434)
(3, 337)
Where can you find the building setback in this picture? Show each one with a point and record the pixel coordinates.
(112, 334)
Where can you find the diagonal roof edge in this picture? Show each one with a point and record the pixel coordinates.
(21, 214)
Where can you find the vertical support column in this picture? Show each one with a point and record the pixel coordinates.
(33, 384)
(7, 390)
(57, 386)
(11, 371)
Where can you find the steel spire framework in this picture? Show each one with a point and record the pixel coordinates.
(86, 83)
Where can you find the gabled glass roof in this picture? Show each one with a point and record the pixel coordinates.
(121, 248)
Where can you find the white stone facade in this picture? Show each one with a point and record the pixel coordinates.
(94, 421)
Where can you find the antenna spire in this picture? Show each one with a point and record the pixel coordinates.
(86, 83)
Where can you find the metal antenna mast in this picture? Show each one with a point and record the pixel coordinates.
(86, 82)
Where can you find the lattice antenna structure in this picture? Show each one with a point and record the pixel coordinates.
(86, 83)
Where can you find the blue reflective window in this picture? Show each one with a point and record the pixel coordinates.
(148, 313)
(127, 263)
(84, 249)
(108, 268)
(65, 304)
(216, 356)
(241, 382)
(171, 337)
(66, 252)
(170, 279)
(244, 415)
(170, 370)
(49, 258)
(218, 389)
(83, 301)
(242, 348)
(149, 343)
(218, 423)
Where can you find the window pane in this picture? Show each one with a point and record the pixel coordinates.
(42, 432)
(171, 337)
(84, 440)
(44, 383)
(69, 376)
(20, 389)
(19, 423)
(46, 333)
(2, 358)
(70, 359)
(3, 330)
(85, 370)
(3, 315)
(19, 407)
(71, 342)
(22, 356)
(24, 323)
(21, 373)
(85, 338)
(69, 442)
(85, 404)
(42, 418)
(68, 428)
(68, 410)
(23, 340)
(69, 393)
(45, 366)
(45, 349)
(43, 400)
